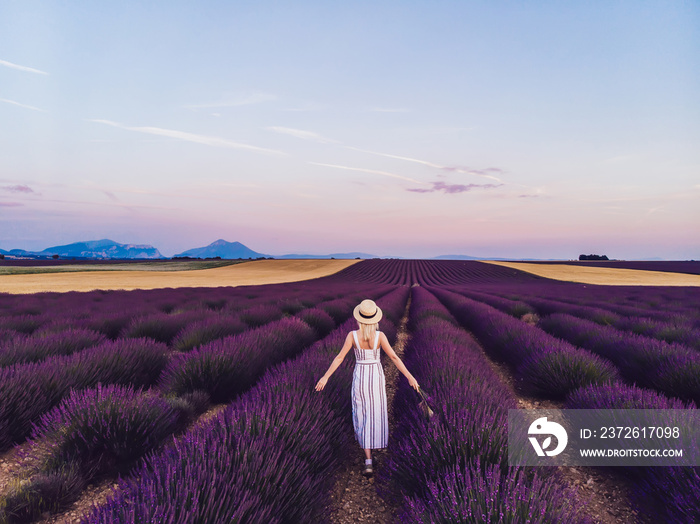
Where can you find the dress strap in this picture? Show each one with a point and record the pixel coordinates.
(376, 341)
(357, 343)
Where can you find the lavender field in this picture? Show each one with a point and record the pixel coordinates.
(198, 404)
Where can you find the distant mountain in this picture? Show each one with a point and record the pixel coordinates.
(457, 257)
(222, 248)
(468, 257)
(352, 255)
(104, 248)
(511, 259)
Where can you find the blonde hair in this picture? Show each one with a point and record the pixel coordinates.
(368, 332)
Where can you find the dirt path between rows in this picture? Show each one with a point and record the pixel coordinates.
(604, 495)
(355, 497)
(13, 465)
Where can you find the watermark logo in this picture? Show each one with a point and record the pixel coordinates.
(542, 426)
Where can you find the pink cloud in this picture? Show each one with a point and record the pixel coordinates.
(19, 189)
(10, 204)
(454, 188)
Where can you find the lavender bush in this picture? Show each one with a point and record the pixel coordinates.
(29, 390)
(105, 427)
(545, 365)
(556, 372)
(40, 346)
(483, 493)
(226, 367)
(269, 457)
(318, 319)
(670, 368)
(210, 328)
(162, 327)
(668, 494)
(434, 469)
(45, 492)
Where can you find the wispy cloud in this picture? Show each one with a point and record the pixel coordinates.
(304, 135)
(212, 141)
(236, 100)
(485, 173)
(10, 204)
(453, 188)
(18, 189)
(22, 68)
(14, 103)
(370, 171)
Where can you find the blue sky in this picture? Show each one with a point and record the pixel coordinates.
(518, 129)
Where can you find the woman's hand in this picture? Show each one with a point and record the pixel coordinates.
(321, 383)
(413, 383)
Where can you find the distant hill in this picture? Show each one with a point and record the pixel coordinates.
(468, 257)
(352, 255)
(92, 249)
(457, 257)
(104, 248)
(222, 248)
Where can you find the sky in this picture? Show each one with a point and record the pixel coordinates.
(397, 128)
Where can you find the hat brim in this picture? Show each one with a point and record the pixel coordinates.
(363, 320)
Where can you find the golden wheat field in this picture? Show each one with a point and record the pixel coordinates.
(243, 274)
(603, 275)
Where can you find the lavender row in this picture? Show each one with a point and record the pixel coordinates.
(515, 308)
(100, 431)
(112, 312)
(658, 324)
(94, 431)
(429, 273)
(226, 367)
(544, 365)
(181, 329)
(671, 368)
(658, 302)
(666, 494)
(453, 468)
(270, 456)
(26, 349)
(674, 328)
(29, 390)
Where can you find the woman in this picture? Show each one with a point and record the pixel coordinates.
(369, 410)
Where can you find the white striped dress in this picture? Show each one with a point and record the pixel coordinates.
(369, 412)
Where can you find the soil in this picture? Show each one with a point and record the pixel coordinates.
(604, 495)
(355, 498)
(604, 275)
(13, 464)
(243, 274)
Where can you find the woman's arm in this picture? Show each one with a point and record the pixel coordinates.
(397, 361)
(336, 362)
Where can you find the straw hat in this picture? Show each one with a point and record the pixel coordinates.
(367, 312)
